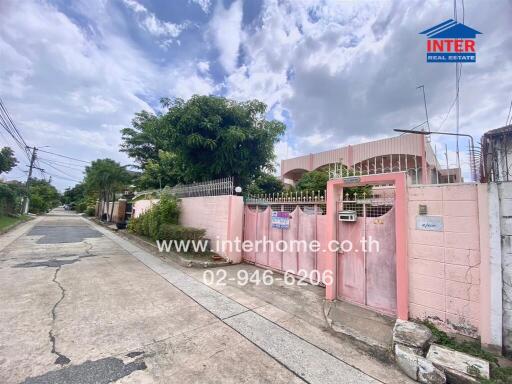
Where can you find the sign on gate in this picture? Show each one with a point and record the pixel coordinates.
(280, 220)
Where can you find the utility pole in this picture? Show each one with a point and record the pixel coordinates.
(27, 185)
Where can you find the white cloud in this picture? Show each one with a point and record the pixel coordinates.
(336, 72)
(72, 92)
(349, 70)
(204, 4)
(225, 27)
(153, 25)
(203, 66)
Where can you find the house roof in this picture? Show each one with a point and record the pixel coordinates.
(499, 131)
(452, 30)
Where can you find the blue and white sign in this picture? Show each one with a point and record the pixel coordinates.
(280, 220)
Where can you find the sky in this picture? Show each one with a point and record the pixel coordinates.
(73, 73)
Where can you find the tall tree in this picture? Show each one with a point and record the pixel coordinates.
(265, 184)
(210, 137)
(145, 138)
(75, 194)
(43, 196)
(313, 181)
(7, 159)
(105, 177)
(161, 172)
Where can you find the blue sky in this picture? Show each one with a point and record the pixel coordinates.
(73, 73)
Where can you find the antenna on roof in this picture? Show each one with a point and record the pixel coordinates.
(425, 104)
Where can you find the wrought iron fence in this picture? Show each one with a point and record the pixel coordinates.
(216, 187)
(372, 204)
(308, 201)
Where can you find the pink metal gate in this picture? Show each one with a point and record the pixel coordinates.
(366, 260)
(306, 224)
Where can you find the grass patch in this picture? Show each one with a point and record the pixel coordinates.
(8, 221)
(499, 375)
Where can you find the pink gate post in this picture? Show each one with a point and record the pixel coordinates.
(335, 189)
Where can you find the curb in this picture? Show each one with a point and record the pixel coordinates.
(149, 246)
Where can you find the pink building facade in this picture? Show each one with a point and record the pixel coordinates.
(409, 153)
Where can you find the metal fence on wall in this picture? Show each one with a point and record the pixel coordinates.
(311, 202)
(216, 187)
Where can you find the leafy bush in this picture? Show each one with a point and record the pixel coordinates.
(11, 196)
(179, 232)
(43, 196)
(81, 206)
(90, 211)
(167, 211)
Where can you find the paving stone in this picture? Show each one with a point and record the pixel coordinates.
(461, 366)
(407, 360)
(428, 373)
(417, 367)
(411, 334)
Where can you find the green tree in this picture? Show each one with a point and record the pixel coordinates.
(43, 196)
(75, 194)
(161, 172)
(105, 177)
(265, 183)
(7, 160)
(317, 181)
(11, 196)
(313, 181)
(210, 137)
(147, 136)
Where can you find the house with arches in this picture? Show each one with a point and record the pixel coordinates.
(411, 153)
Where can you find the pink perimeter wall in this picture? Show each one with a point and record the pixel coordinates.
(444, 266)
(221, 216)
(141, 206)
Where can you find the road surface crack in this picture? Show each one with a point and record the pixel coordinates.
(61, 359)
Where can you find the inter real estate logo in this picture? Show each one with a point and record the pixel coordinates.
(451, 42)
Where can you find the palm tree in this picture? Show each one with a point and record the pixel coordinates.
(105, 177)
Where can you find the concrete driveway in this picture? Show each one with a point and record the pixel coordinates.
(82, 305)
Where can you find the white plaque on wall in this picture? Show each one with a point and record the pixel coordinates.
(429, 223)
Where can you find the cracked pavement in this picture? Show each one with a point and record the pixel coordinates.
(82, 305)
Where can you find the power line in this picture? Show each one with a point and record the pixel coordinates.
(8, 124)
(67, 157)
(453, 103)
(73, 166)
(57, 169)
(62, 177)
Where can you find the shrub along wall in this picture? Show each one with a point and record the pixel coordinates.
(10, 199)
(161, 223)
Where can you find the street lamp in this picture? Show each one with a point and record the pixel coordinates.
(472, 145)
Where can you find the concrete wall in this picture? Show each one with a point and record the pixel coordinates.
(141, 206)
(118, 213)
(220, 216)
(444, 265)
(504, 191)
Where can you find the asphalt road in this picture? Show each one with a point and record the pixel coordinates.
(82, 305)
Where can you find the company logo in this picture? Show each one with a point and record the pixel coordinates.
(451, 42)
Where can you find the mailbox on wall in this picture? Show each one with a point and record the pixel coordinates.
(350, 216)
